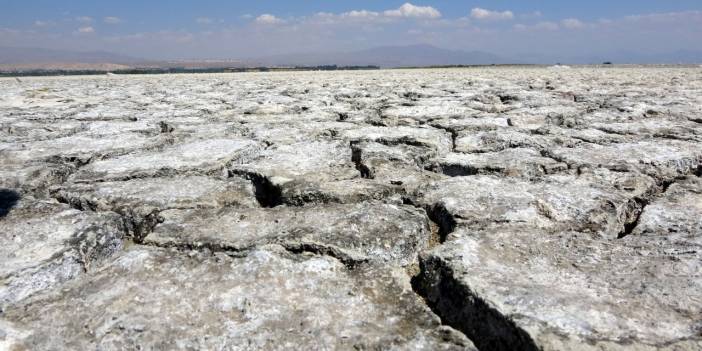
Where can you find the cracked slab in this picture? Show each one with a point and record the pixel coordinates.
(358, 232)
(527, 289)
(268, 299)
(663, 159)
(44, 244)
(197, 157)
(179, 192)
(675, 215)
(517, 162)
(552, 208)
(553, 203)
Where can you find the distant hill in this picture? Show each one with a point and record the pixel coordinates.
(26, 59)
(26, 56)
(386, 56)
(672, 57)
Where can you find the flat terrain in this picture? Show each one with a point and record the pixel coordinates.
(484, 208)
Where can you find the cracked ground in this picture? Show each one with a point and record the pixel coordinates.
(486, 208)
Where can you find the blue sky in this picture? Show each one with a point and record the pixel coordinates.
(239, 29)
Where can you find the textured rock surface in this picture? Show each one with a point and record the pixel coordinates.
(352, 233)
(490, 208)
(45, 243)
(269, 299)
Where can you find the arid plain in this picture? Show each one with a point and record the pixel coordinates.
(486, 208)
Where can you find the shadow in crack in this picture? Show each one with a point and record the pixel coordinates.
(8, 200)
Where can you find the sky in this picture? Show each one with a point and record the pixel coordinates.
(220, 29)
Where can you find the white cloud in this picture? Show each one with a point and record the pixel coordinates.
(84, 19)
(112, 20)
(38, 23)
(689, 16)
(409, 10)
(541, 26)
(546, 26)
(531, 15)
(268, 19)
(572, 23)
(483, 14)
(86, 30)
(360, 14)
(203, 20)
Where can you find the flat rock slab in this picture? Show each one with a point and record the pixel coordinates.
(523, 288)
(179, 192)
(401, 165)
(352, 233)
(664, 160)
(197, 157)
(77, 147)
(45, 243)
(675, 216)
(138, 201)
(153, 298)
(34, 177)
(554, 203)
(317, 161)
(492, 141)
(437, 140)
(312, 172)
(519, 162)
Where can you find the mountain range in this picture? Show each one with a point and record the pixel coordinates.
(384, 56)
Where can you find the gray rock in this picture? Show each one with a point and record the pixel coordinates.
(179, 192)
(664, 160)
(139, 201)
(153, 298)
(523, 288)
(437, 140)
(352, 233)
(556, 203)
(77, 148)
(675, 216)
(552, 209)
(197, 157)
(401, 166)
(45, 244)
(34, 178)
(526, 163)
(310, 172)
(498, 140)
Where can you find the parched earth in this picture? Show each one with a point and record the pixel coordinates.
(490, 209)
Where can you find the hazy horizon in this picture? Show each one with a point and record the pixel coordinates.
(527, 31)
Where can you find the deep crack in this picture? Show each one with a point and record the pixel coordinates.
(461, 308)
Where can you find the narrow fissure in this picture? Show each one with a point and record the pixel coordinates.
(456, 304)
(267, 194)
(639, 205)
(629, 226)
(461, 308)
(357, 159)
(323, 250)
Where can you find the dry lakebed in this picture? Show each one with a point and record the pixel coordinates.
(496, 208)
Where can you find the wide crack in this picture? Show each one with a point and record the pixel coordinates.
(637, 205)
(463, 309)
(267, 194)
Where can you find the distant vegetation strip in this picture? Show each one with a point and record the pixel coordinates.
(45, 72)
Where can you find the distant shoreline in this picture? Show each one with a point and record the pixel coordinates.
(181, 70)
(176, 70)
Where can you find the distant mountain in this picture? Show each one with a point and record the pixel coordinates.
(386, 56)
(35, 56)
(14, 58)
(672, 57)
(618, 57)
